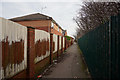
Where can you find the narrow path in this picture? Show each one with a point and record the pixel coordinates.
(69, 65)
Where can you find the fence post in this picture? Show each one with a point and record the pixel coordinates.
(71, 41)
(30, 51)
(1, 60)
(61, 44)
(58, 47)
(65, 43)
(51, 48)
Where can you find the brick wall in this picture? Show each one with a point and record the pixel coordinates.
(30, 52)
(40, 24)
(53, 31)
(27, 51)
(66, 33)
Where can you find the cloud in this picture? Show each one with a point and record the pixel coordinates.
(63, 13)
(0, 9)
(14, 9)
(40, 0)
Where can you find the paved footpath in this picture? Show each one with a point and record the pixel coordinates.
(69, 65)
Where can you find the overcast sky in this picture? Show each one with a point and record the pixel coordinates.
(62, 11)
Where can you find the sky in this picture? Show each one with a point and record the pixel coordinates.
(60, 10)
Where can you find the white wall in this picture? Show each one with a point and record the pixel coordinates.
(63, 42)
(0, 49)
(55, 37)
(40, 35)
(15, 32)
(59, 42)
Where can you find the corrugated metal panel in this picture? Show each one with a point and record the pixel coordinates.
(100, 48)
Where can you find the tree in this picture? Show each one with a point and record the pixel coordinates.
(92, 14)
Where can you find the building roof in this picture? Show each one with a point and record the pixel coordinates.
(36, 16)
(30, 17)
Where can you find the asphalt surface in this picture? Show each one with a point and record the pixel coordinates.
(69, 65)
